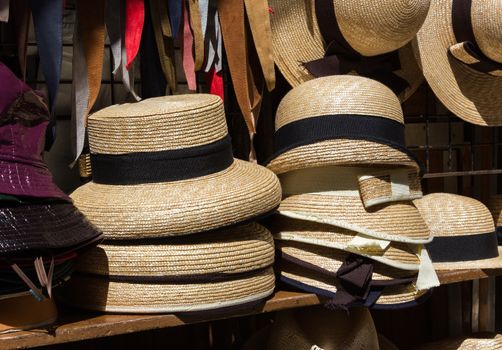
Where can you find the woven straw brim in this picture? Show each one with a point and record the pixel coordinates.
(331, 259)
(493, 263)
(399, 255)
(482, 343)
(341, 152)
(103, 295)
(238, 193)
(473, 96)
(494, 204)
(392, 295)
(396, 221)
(37, 228)
(296, 39)
(233, 250)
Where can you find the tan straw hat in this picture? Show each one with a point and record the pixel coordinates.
(217, 269)
(460, 51)
(463, 231)
(164, 167)
(313, 38)
(494, 204)
(484, 342)
(340, 120)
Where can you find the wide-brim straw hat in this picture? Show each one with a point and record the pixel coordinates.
(463, 231)
(214, 192)
(494, 204)
(225, 251)
(25, 313)
(369, 28)
(40, 229)
(307, 280)
(473, 95)
(340, 120)
(399, 255)
(317, 328)
(482, 342)
(101, 294)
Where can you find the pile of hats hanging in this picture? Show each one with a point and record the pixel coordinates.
(177, 211)
(41, 232)
(348, 228)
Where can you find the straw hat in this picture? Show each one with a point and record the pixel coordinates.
(455, 66)
(398, 255)
(307, 280)
(205, 271)
(102, 294)
(317, 328)
(339, 120)
(358, 28)
(225, 251)
(484, 342)
(164, 167)
(25, 313)
(463, 231)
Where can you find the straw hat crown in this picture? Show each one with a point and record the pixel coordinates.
(450, 215)
(377, 27)
(486, 17)
(157, 124)
(334, 95)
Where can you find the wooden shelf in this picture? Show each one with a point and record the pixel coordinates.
(74, 326)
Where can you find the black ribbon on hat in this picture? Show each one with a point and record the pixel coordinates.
(341, 58)
(463, 248)
(345, 126)
(466, 41)
(162, 166)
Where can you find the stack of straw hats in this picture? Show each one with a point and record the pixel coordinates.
(463, 231)
(41, 232)
(480, 342)
(177, 211)
(348, 228)
(459, 49)
(495, 206)
(316, 38)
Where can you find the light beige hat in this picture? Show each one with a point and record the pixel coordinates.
(325, 37)
(317, 328)
(217, 269)
(343, 121)
(332, 195)
(463, 231)
(494, 204)
(164, 167)
(483, 342)
(459, 48)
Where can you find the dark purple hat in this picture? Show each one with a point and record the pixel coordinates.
(23, 121)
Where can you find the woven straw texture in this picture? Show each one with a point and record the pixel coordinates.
(473, 96)
(482, 343)
(397, 221)
(391, 295)
(103, 295)
(84, 166)
(494, 204)
(331, 259)
(339, 95)
(370, 28)
(287, 229)
(238, 193)
(450, 215)
(232, 250)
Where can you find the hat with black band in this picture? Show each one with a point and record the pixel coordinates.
(463, 231)
(164, 167)
(494, 203)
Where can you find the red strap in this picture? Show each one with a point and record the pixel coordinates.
(215, 82)
(135, 18)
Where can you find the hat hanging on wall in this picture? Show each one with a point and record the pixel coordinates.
(459, 48)
(495, 205)
(481, 342)
(463, 231)
(326, 37)
(164, 166)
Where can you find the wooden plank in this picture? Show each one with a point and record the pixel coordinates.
(487, 305)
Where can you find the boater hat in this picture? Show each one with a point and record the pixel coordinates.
(494, 204)
(164, 167)
(314, 38)
(343, 121)
(219, 269)
(463, 231)
(460, 51)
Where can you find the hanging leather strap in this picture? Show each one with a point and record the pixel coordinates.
(135, 18)
(175, 15)
(198, 37)
(186, 51)
(113, 20)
